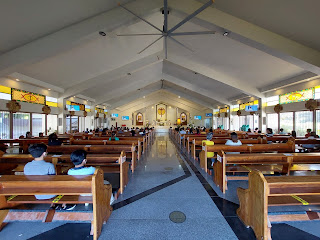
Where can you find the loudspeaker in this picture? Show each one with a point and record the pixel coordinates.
(60, 122)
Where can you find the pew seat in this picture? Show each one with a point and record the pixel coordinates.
(264, 192)
(16, 190)
(227, 165)
(109, 163)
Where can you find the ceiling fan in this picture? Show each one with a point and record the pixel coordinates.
(169, 33)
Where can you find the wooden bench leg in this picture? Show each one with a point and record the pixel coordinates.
(101, 195)
(49, 215)
(253, 210)
(3, 215)
(202, 160)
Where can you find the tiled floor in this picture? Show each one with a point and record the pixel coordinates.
(162, 183)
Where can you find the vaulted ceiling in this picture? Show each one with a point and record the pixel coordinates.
(57, 44)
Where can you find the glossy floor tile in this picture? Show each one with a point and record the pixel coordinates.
(164, 181)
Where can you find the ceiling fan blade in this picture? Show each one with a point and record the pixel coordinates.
(165, 10)
(141, 34)
(192, 33)
(140, 17)
(150, 44)
(195, 13)
(181, 44)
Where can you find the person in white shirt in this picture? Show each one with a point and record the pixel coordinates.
(281, 132)
(233, 142)
(182, 132)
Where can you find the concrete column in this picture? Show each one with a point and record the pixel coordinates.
(262, 114)
(61, 116)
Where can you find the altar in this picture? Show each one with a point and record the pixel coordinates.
(161, 129)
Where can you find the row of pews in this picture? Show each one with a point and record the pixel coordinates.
(270, 170)
(111, 158)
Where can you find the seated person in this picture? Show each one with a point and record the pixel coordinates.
(53, 140)
(28, 135)
(308, 133)
(3, 147)
(233, 142)
(281, 132)
(310, 147)
(182, 132)
(269, 132)
(41, 135)
(79, 160)
(249, 130)
(208, 142)
(38, 166)
(142, 132)
(133, 132)
(293, 134)
(113, 137)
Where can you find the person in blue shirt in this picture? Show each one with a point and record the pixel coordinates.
(113, 137)
(79, 159)
(38, 166)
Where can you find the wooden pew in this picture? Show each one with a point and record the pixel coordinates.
(109, 163)
(142, 140)
(130, 150)
(265, 162)
(197, 143)
(107, 142)
(245, 148)
(20, 190)
(184, 137)
(275, 191)
(24, 142)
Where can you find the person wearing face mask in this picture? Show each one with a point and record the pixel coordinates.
(38, 166)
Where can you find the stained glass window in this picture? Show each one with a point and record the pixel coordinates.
(24, 96)
(297, 96)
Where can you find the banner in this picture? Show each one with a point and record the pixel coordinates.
(29, 97)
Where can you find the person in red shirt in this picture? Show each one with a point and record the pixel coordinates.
(308, 133)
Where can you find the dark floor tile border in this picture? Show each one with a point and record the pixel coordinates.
(227, 208)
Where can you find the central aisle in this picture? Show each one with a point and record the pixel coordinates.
(161, 184)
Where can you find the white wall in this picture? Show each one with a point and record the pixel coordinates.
(149, 114)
